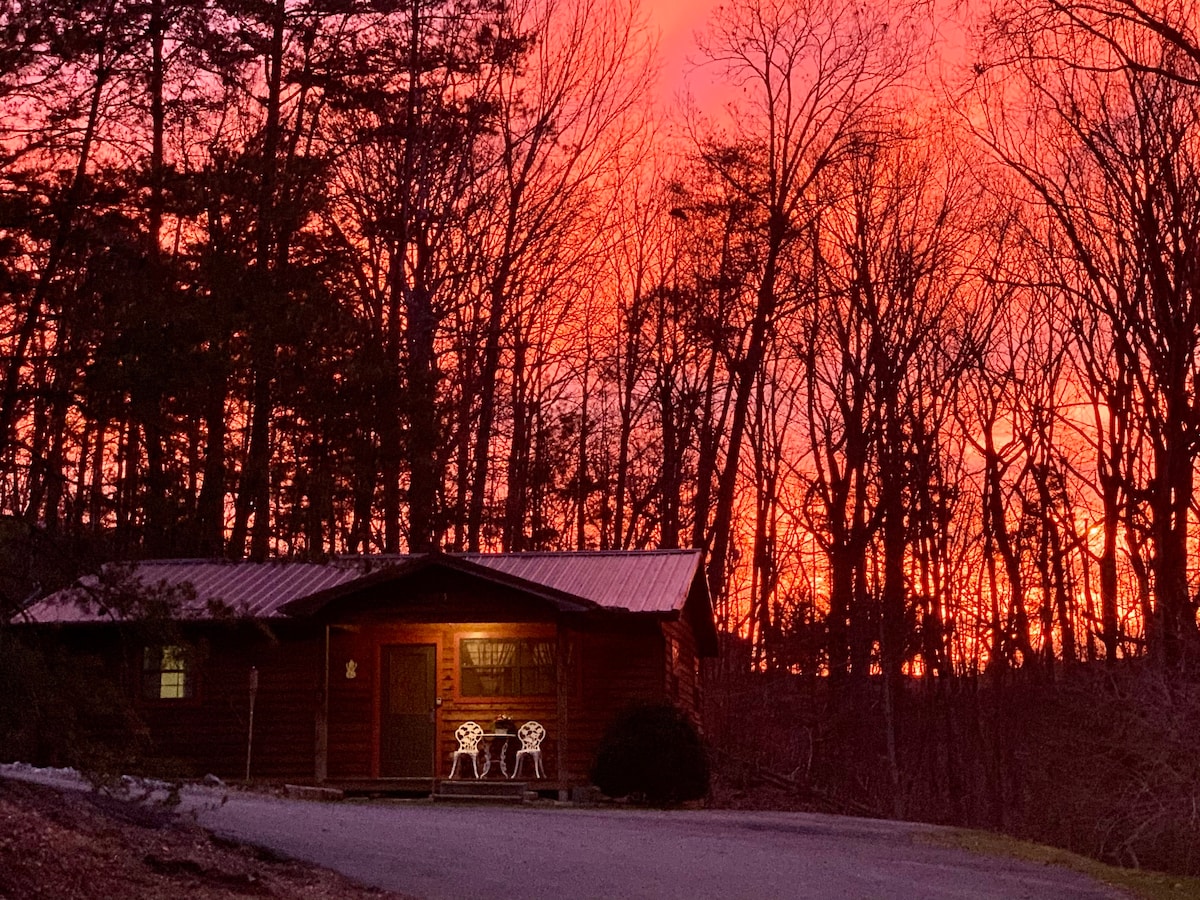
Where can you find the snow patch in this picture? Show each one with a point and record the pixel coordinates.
(210, 794)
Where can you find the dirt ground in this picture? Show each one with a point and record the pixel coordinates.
(80, 846)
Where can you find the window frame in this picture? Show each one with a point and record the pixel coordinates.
(175, 660)
(524, 668)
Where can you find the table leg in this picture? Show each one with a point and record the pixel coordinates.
(487, 759)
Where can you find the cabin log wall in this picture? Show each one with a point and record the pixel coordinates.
(208, 733)
(682, 669)
(618, 668)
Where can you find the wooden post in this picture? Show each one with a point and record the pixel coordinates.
(321, 764)
(563, 703)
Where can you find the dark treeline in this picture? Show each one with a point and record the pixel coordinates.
(914, 358)
(291, 278)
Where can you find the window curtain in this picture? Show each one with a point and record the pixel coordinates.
(489, 654)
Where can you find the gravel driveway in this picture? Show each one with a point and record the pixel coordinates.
(533, 853)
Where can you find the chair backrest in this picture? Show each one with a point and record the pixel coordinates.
(531, 734)
(469, 735)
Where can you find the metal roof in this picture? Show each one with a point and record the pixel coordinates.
(248, 589)
(652, 581)
(656, 581)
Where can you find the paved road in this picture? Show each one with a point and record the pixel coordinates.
(496, 853)
(539, 853)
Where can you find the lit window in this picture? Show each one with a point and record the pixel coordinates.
(166, 673)
(506, 668)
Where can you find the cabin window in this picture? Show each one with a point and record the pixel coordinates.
(676, 651)
(510, 667)
(167, 673)
(673, 668)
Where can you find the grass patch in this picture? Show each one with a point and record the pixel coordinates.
(1138, 882)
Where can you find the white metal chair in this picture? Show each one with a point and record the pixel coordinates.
(469, 735)
(531, 734)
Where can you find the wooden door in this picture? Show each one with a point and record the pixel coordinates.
(408, 710)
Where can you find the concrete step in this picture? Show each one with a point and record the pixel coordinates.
(385, 787)
(313, 792)
(473, 790)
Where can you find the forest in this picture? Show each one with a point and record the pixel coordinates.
(897, 316)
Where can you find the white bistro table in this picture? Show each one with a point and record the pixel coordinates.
(488, 738)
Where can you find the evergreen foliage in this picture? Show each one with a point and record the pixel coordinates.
(652, 751)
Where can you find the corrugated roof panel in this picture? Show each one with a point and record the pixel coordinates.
(252, 589)
(639, 581)
(655, 581)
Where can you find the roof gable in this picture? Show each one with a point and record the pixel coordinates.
(414, 566)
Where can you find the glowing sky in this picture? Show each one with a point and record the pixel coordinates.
(676, 22)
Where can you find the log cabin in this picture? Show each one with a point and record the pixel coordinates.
(358, 671)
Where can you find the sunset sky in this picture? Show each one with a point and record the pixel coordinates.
(677, 22)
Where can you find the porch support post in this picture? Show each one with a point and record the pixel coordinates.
(322, 756)
(563, 700)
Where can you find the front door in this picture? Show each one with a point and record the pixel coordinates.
(408, 711)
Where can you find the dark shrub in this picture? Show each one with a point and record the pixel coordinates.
(652, 751)
(63, 709)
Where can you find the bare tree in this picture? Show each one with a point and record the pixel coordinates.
(811, 74)
(1106, 146)
(568, 124)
